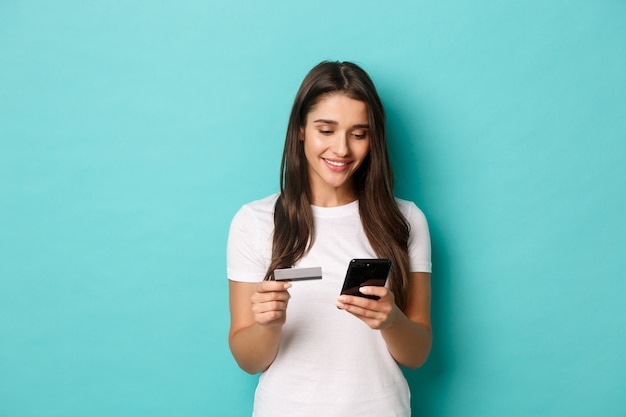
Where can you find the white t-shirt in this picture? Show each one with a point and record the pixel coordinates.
(329, 362)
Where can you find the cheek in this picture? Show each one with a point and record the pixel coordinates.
(363, 149)
(313, 143)
(310, 149)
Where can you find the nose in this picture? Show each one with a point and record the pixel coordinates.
(340, 145)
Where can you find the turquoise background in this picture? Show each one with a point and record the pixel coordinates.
(131, 132)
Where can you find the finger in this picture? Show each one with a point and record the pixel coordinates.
(374, 290)
(261, 308)
(374, 319)
(362, 309)
(270, 317)
(269, 291)
(265, 297)
(363, 302)
(366, 307)
(272, 286)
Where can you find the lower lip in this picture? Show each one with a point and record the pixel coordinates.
(336, 168)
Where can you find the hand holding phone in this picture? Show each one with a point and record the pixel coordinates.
(365, 272)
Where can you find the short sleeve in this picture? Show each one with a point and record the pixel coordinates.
(419, 239)
(245, 260)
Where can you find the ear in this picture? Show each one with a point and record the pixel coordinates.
(301, 134)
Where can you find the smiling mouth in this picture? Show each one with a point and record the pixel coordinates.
(336, 163)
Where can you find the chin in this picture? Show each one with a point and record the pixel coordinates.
(334, 183)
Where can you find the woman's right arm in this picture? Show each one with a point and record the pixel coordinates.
(257, 314)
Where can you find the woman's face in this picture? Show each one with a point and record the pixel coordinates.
(336, 142)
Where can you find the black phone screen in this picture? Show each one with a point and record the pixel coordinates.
(365, 272)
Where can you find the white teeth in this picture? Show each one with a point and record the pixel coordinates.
(336, 164)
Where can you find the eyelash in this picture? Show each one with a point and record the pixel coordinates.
(330, 132)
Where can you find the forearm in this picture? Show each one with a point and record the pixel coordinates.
(255, 347)
(408, 342)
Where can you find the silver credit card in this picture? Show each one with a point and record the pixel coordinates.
(298, 274)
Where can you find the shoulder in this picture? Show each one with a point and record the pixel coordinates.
(410, 210)
(414, 216)
(263, 205)
(254, 217)
(258, 208)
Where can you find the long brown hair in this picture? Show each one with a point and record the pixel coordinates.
(384, 224)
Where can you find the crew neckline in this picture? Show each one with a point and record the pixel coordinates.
(336, 211)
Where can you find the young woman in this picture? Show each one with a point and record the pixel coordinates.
(322, 354)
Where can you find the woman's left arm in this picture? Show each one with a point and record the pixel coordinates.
(408, 334)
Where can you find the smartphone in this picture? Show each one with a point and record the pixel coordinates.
(365, 272)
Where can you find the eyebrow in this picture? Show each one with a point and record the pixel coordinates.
(333, 122)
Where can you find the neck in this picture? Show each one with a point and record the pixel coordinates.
(333, 199)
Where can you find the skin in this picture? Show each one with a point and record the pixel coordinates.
(336, 142)
(408, 334)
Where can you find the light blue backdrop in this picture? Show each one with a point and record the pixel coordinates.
(131, 131)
